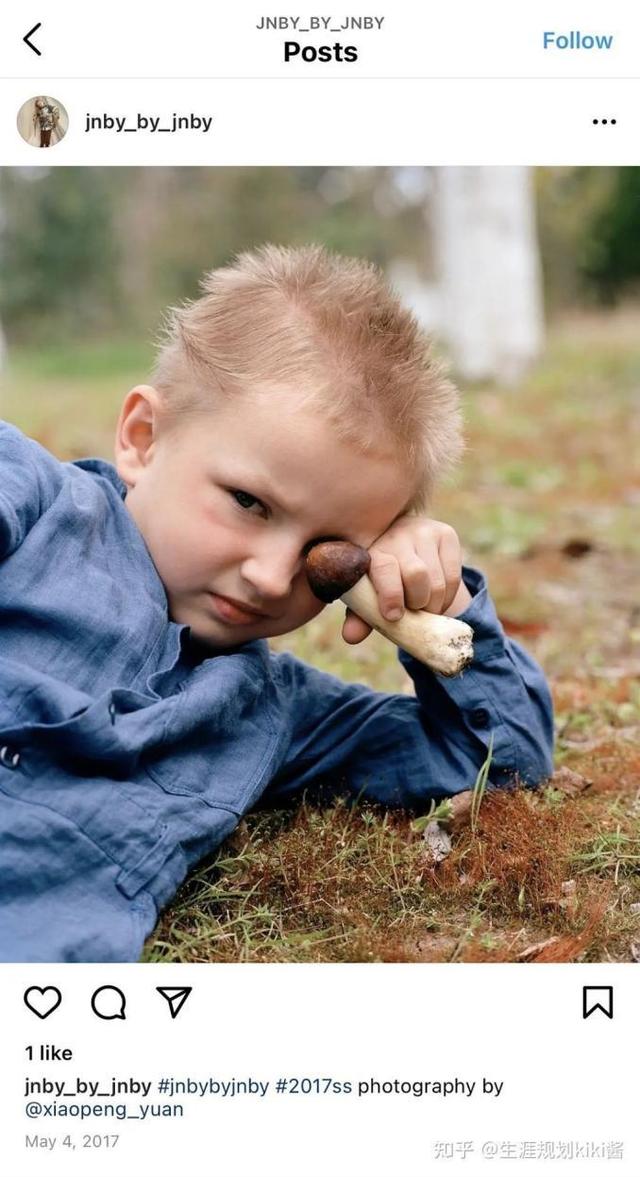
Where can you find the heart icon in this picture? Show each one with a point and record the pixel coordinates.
(42, 1001)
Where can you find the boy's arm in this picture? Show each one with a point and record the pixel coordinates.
(502, 693)
(30, 478)
(401, 750)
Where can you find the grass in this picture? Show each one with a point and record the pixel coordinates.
(547, 504)
(480, 787)
(357, 884)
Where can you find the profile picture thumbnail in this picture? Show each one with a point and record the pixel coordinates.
(42, 121)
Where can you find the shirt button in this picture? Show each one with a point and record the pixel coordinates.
(9, 757)
(479, 717)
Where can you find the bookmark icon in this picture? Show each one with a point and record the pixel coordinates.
(174, 997)
(597, 997)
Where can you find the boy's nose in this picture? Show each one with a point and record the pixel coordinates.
(272, 572)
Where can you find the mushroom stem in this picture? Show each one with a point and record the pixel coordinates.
(337, 568)
(445, 644)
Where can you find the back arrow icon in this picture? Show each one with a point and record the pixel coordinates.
(30, 34)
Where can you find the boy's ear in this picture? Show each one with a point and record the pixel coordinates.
(136, 432)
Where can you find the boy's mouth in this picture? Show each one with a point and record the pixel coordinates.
(235, 612)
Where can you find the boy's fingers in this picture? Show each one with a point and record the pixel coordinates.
(384, 572)
(432, 577)
(417, 577)
(424, 579)
(422, 572)
(354, 629)
(450, 554)
(438, 585)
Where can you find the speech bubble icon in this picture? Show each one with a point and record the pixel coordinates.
(108, 1002)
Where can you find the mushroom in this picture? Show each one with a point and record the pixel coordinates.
(336, 568)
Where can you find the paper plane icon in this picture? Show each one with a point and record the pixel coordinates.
(174, 997)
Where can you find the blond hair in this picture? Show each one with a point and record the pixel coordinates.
(330, 326)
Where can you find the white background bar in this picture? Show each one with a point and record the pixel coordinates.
(153, 38)
(350, 122)
(565, 1078)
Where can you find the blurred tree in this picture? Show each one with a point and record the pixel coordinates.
(569, 201)
(85, 250)
(611, 254)
(59, 258)
(488, 270)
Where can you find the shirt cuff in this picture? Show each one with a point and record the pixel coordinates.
(488, 635)
(476, 696)
(489, 640)
(501, 701)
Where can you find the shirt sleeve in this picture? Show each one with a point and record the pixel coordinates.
(30, 478)
(403, 750)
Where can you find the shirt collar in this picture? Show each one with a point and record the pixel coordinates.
(106, 470)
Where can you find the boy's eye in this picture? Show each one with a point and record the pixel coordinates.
(248, 501)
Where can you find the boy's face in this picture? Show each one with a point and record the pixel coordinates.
(228, 501)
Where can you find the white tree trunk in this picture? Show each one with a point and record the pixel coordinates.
(488, 270)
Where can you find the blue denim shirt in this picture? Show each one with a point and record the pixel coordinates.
(121, 749)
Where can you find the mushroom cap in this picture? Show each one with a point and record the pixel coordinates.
(334, 566)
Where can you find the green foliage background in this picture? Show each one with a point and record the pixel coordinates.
(84, 251)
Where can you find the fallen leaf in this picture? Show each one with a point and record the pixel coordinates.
(459, 815)
(568, 900)
(565, 780)
(570, 896)
(432, 946)
(534, 949)
(576, 548)
(529, 629)
(437, 843)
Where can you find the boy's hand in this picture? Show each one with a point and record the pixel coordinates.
(416, 564)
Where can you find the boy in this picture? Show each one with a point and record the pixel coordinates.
(141, 712)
